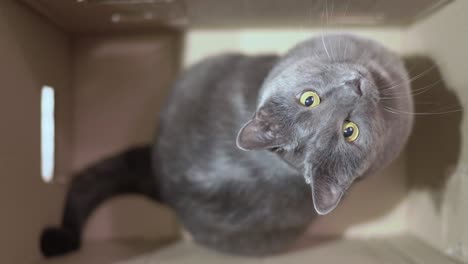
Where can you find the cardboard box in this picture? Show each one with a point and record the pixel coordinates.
(111, 64)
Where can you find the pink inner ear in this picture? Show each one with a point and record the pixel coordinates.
(245, 135)
(326, 196)
(253, 136)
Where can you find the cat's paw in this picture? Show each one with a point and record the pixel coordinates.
(58, 241)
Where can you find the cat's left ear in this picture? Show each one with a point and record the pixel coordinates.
(326, 195)
(326, 192)
(261, 132)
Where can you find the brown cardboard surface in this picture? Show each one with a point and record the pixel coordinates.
(120, 83)
(102, 252)
(33, 53)
(97, 15)
(109, 90)
(439, 191)
(396, 250)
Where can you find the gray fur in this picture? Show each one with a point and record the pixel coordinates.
(257, 202)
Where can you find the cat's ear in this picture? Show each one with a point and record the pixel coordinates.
(259, 133)
(326, 193)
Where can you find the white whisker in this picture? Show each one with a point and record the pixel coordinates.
(412, 93)
(399, 82)
(346, 44)
(332, 48)
(323, 37)
(395, 111)
(325, 46)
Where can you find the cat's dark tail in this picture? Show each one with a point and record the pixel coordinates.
(124, 173)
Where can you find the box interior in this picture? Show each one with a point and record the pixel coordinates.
(112, 62)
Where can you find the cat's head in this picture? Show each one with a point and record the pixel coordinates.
(324, 120)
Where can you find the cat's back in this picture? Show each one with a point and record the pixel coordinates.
(208, 105)
(225, 84)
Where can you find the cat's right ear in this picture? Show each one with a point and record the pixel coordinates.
(259, 134)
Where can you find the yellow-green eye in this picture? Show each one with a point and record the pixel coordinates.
(310, 99)
(350, 131)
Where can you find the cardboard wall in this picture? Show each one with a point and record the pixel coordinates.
(439, 176)
(110, 88)
(199, 43)
(33, 53)
(120, 82)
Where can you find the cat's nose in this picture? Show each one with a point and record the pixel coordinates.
(355, 85)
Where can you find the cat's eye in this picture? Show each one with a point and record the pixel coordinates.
(350, 131)
(309, 99)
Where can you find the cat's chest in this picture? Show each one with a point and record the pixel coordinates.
(235, 168)
(249, 190)
(236, 205)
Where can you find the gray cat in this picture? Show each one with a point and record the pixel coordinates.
(251, 149)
